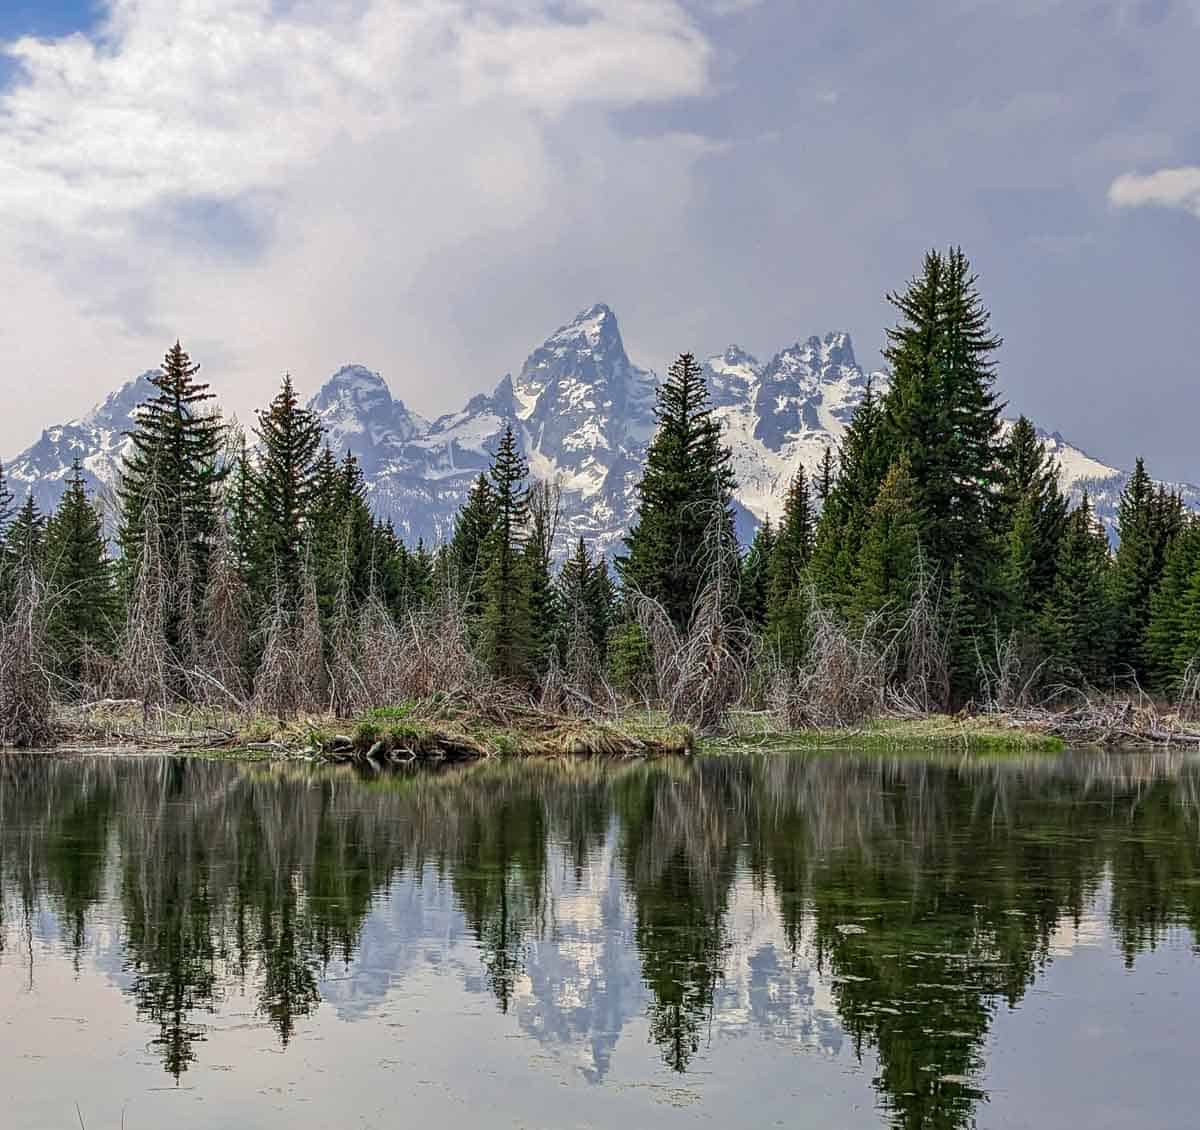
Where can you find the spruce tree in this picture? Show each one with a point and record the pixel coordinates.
(754, 596)
(1077, 618)
(787, 573)
(845, 514)
(543, 506)
(341, 535)
(284, 485)
(1135, 575)
(83, 606)
(886, 567)
(506, 629)
(942, 417)
(585, 591)
(27, 535)
(826, 476)
(1173, 633)
(239, 503)
(686, 482)
(1032, 514)
(467, 553)
(175, 457)
(793, 547)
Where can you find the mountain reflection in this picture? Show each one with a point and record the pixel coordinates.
(890, 904)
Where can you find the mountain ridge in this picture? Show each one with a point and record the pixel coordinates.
(583, 413)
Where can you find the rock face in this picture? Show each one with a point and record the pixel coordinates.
(584, 415)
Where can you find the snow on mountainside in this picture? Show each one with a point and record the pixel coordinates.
(584, 414)
(99, 440)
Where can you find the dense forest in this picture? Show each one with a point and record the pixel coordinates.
(933, 564)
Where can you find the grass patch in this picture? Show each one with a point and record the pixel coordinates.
(937, 733)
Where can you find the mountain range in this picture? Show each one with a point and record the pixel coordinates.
(584, 414)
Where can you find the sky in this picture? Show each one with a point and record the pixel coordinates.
(431, 187)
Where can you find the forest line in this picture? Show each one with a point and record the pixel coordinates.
(933, 564)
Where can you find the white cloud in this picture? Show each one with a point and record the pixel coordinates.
(1166, 188)
(287, 185)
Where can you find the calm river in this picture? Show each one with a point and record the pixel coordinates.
(740, 941)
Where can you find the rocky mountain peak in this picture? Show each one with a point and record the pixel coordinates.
(583, 414)
(360, 414)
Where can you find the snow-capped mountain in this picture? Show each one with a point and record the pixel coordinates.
(584, 415)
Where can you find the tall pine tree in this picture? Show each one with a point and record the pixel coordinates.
(175, 457)
(1077, 619)
(284, 486)
(942, 417)
(83, 606)
(506, 629)
(687, 482)
(1136, 573)
(846, 511)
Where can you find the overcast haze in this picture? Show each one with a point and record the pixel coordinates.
(430, 188)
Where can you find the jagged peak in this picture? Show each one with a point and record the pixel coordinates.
(355, 380)
(736, 355)
(596, 325)
(118, 406)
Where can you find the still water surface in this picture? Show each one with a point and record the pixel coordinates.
(741, 941)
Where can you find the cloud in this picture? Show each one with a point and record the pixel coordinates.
(287, 184)
(1166, 188)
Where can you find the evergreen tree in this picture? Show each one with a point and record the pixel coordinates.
(826, 476)
(585, 591)
(27, 535)
(543, 506)
(1135, 575)
(472, 537)
(239, 501)
(341, 532)
(1032, 512)
(844, 516)
(83, 607)
(174, 457)
(942, 417)
(284, 486)
(506, 628)
(687, 475)
(793, 547)
(787, 610)
(755, 579)
(883, 578)
(1077, 618)
(1173, 633)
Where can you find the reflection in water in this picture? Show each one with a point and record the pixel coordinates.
(926, 894)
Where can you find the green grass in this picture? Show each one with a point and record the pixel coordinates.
(939, 733)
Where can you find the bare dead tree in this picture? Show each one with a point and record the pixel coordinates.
(145, 662)
(225, 635)
(701, 673)
(842, 679)
(922, 646)
(1189, 692)
(1009, 673)
(187, 647)
(344, 679)
(311, 644)
(278, 685)
(26, 708)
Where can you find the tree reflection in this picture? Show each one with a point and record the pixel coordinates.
(931, 893)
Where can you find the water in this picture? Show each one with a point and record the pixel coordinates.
(799, 941)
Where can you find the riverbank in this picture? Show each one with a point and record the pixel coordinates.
(437, 731)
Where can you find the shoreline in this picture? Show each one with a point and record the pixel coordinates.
(440, 733)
